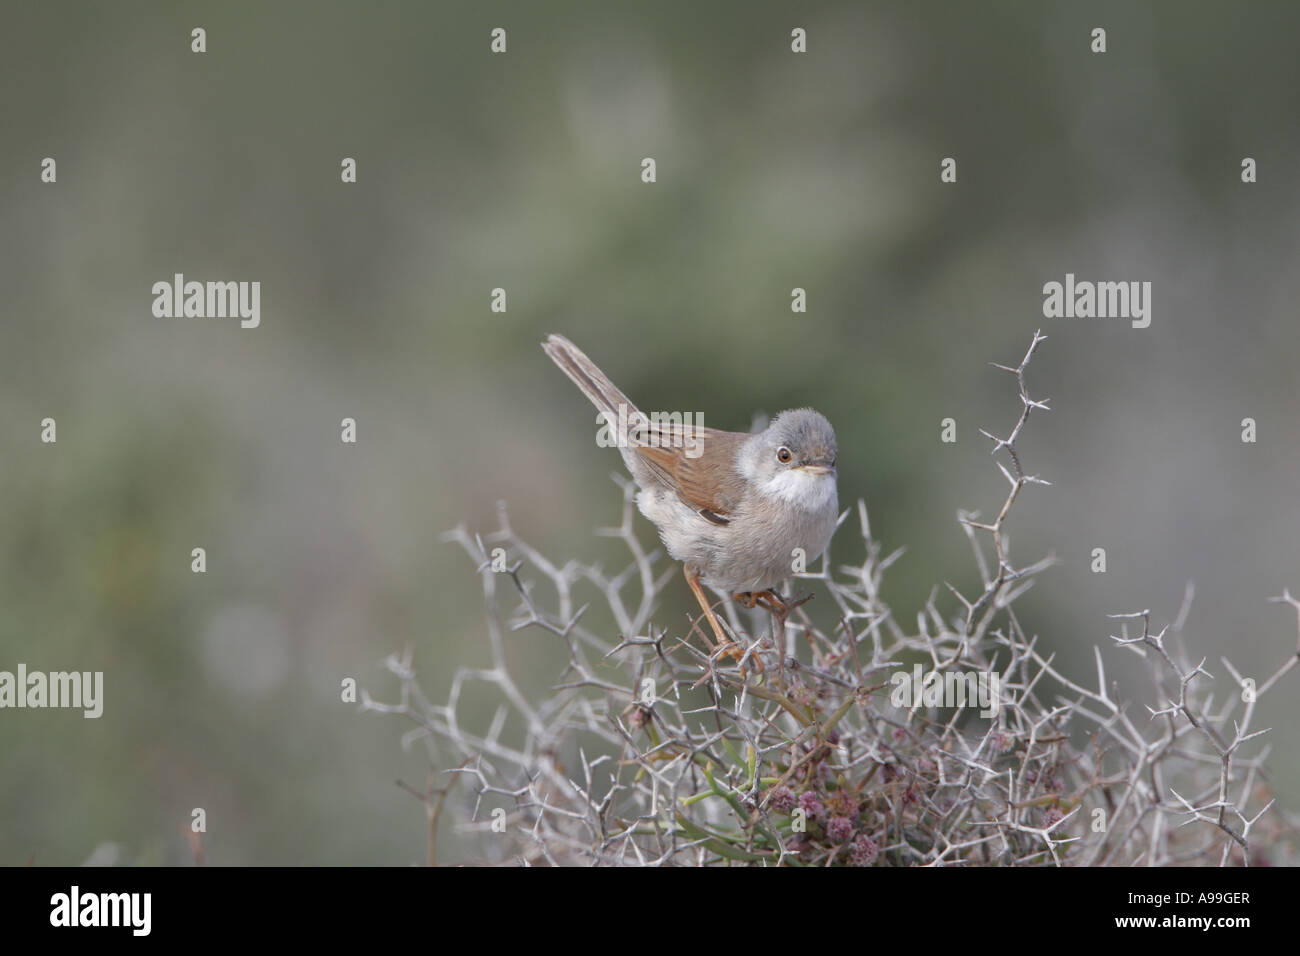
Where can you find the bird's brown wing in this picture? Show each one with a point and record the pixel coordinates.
(708, 482)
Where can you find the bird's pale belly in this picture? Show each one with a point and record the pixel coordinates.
(755, 550)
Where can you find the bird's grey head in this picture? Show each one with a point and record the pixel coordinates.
(801, 438)
(794, 458)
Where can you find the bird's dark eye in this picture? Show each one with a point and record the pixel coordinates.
(783, 455)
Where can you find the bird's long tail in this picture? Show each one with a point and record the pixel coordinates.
(594, 383)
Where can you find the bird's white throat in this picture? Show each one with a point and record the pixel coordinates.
(808, 490)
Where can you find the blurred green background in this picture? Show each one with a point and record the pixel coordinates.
(522, 171)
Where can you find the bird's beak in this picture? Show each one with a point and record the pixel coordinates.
(818, 469)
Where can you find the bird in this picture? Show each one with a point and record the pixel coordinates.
(739, 510)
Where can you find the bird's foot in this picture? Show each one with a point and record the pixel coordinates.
(771, 600)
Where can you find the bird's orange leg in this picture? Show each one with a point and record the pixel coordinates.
(729, 647)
